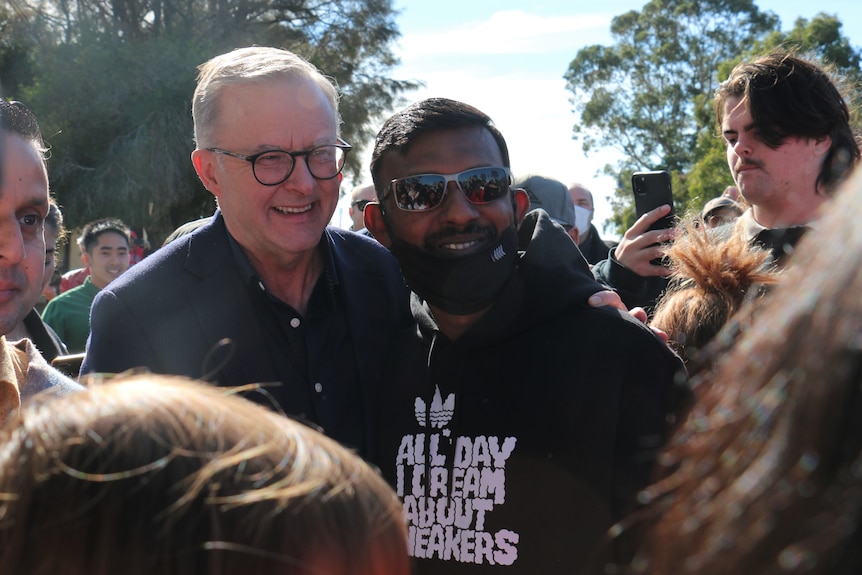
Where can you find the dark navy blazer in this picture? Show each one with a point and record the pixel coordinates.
(169, 312)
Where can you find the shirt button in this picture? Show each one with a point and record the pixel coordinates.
(318, 387)
(294, 322)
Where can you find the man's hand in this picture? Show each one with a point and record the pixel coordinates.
(612, 299)
(640, 245)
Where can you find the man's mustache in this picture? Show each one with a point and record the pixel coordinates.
(747, 162)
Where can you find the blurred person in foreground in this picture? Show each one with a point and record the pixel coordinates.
(789, 143)
(714, 272)
(23, 209)
(157, 474)
(763, 478)
(519, 422)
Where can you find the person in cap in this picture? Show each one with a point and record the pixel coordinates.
(550, 195)
(520, 422)
(719, 211)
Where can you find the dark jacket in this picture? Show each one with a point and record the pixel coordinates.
(172, 312)
(515, 447)
(595, 249)
(635, 290)
(640, 291)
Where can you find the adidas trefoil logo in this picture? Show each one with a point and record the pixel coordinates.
(440, 413)
(499, 253)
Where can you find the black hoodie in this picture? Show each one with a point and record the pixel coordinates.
(557, 409)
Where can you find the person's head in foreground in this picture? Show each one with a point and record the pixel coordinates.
(714, 272)
(153, 474)
(765, 476)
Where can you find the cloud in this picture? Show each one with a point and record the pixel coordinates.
(507, 32)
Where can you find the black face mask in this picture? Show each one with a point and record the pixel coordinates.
(460, 285)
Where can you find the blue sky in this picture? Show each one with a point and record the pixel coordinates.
(507, 58)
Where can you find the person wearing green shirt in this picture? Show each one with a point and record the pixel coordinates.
(105, 247)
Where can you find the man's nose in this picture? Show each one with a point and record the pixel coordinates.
(11, 243)
(457, 207)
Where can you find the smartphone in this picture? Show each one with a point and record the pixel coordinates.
(651, 190)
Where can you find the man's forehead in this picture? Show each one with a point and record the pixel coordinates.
(29, 167)
(270, 101)
(735, 107)
(470, 144)
(110, 238)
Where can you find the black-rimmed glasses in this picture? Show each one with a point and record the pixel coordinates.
(272, 167)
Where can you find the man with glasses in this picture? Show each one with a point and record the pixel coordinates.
(265, 296)
(359, 198)
(520, 422)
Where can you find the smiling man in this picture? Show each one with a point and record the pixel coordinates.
(105, 252)
(519, 422)
(265, 293)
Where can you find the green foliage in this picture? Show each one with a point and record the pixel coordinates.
(111, 83)
(649, 95)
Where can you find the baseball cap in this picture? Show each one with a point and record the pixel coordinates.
(550, 195)
(718, 203)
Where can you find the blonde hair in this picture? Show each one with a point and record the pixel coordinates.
(155, 474)
(255, 64)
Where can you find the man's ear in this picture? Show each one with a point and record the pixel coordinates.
(85, 259)
(822, 144)
(521, 204)
(205, 165)
(375, 224)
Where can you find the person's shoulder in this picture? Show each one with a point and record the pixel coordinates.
(41, 377)
(350, 244)
(167, 264)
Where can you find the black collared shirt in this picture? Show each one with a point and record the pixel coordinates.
(314, 354)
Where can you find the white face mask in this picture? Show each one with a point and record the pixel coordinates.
(582, 220)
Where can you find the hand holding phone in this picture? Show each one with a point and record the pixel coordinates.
(651, 190)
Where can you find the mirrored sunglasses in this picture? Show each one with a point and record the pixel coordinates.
(424, 192)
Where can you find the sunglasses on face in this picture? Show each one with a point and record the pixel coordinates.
(360, 204)
(424, 192)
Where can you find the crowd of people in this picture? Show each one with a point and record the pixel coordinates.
(456, 385)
